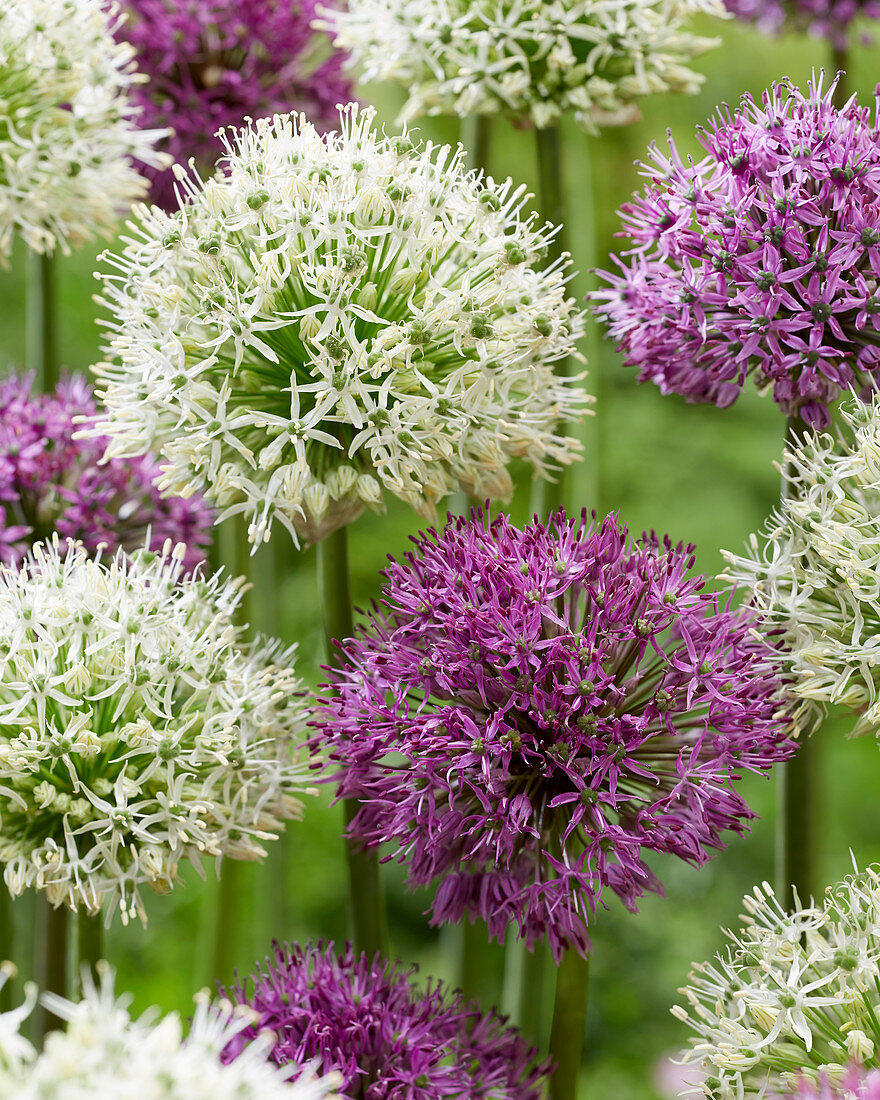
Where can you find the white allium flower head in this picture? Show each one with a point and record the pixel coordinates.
(105, 1054)
(816, 566)
(531, 60)
(68, 131)
(335, 316)
(136, 727)
(794, 994)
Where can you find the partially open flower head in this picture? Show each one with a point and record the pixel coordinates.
(532, 61)
(794, 997)
(830, 19)
(528, 712)
(813, 570)
(761, 259)
(215, 63)
(387, 1037)
(68, 132)
(338, 316)
(106, 1054)
(52, 479)
(136, 727)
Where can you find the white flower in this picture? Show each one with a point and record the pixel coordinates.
(104, 1054)
(532, 60)
(174, 740)
(335, 314)
(816, 567)
(68, 133)
(796, 992)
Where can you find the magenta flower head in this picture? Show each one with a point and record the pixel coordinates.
(216, 63)
(528, 712)
(761, 259)
(853, 1083)
(828, 19)
(52, 481)
(388, 1038)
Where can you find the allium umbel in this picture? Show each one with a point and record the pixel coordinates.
(338, 316)
(528, 712)
(813, 570)
(795, 995)
(215, 63)
(68, 133)
(52, 480)
(388, 1038)
(761, 259)
(852, 1083)
(829, 19)
(136, 728)
(105, 1054)
(533, 61)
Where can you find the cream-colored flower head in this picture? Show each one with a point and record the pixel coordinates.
(136, 727)
(531, 60)
(795, 994)
(69, 140)
(105, 1054)
(816, 566)
(335, 317)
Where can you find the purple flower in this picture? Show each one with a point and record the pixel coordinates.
(857, 1084)
(389, 1039)
(529, 711)
(819, 18)
(762, 258)
(214, 63)
(50, 481)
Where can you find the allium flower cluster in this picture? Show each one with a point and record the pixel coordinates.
(762, 258)
(528, 712)
(136, 729)
(104, 1054)
(385, 1036)
(532, 61)
(215, 63)
(814, 568)
(829, 19)
(52, 480)
(852, 1083)
(68, 133)
(339, 315)
(796, 994)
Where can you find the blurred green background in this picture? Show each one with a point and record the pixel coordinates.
(701, 474)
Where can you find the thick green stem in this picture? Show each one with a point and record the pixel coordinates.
(797, 810)
(476, 137)
(551, 199)
(50, 964)
(41, 333)
(480, 965)
(569, 1025)
(90, 943)
(365, 888)
(7, 942)
(840, 64)
(531, 1009)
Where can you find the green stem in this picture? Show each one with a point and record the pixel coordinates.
(90, 942)
(569, 1025)
(796, 828)
(7, 944)
(476, 137)
(531, 1006)
(840, 63)
(41, 335)
(480, 965)
(50, 964)
(365, 889)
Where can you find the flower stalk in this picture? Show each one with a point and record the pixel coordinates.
(569, 1025)
(90, 943)
(50, 961)
(367, 904)
(41, 340)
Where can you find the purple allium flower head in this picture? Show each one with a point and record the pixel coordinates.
(389, 1039)
(51, 481)
(527, 712)
(214, 63)
(819, 18)
(762, 258)
(858, 1083)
